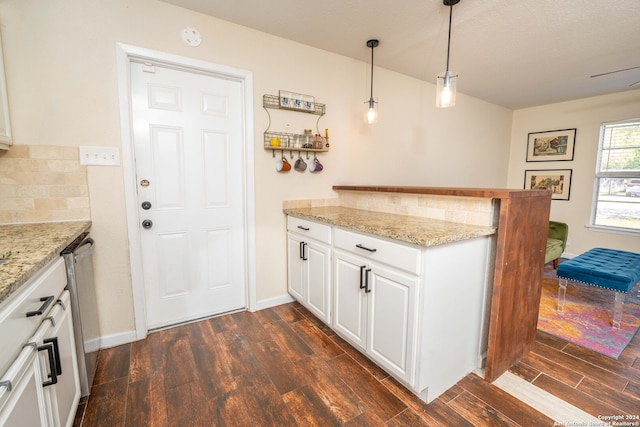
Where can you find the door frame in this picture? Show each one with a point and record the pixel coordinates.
(125, 54)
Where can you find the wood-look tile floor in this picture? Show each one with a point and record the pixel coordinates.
(283, 367)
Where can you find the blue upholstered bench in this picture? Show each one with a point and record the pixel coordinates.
(606, 268)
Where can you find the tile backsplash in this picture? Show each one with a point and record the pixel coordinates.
(42, 183)
(465, 210)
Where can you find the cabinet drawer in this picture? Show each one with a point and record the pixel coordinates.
(15, 326)
(394, 254)
(311, 229)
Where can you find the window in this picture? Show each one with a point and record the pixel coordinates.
(616, 204)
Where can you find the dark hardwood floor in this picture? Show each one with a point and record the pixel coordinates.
(283, 367)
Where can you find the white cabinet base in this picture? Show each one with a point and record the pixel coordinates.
(420, 313)
(426, 330)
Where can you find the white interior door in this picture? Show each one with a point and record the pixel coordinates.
(187, 138)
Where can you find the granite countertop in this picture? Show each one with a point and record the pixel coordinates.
(30, 247)
(410, 229)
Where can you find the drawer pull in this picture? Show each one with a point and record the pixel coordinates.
(52, 364)
(366, 281)
(56, 353)
(303, 228)
(43, 308)
(365, 248)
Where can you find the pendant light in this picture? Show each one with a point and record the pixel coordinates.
(446, 82)
(371, 116)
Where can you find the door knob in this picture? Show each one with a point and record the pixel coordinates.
(147, 223)
(146, 205)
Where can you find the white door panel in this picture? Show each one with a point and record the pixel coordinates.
(350, 302)
(168, 166)
(187, 142)
(172, 266)
(392, 305)
(216, 169)
(319, 280)
(295, 267)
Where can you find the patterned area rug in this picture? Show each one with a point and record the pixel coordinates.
(588, 312)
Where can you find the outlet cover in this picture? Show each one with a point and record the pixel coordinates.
(99, 156)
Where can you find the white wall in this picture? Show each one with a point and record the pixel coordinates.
(586, 115)
(60, 59)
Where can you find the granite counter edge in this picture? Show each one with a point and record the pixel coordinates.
(30, 272)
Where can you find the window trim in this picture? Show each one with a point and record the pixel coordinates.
(613, 174)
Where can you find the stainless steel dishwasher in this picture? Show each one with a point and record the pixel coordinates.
(77, 257)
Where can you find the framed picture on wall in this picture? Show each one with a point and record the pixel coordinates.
(556, 180)
(551, 146)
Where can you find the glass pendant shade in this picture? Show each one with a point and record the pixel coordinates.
(371, 115)
(446, 90)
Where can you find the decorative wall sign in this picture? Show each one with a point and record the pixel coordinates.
(296, 101)
(556, 180)
(551, 146)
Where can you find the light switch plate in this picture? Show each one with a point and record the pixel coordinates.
(100, 156)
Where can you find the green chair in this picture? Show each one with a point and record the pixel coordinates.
(556, 242)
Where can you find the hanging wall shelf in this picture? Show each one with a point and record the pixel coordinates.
(299, 142)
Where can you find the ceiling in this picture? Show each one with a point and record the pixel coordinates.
(514, 53)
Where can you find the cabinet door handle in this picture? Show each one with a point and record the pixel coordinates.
(56, 353)
(52, 365)
(301, 250)
(362, 267)
(304, 254)
(366, 281)
(365, 248)
(47, 301)
(303, 228)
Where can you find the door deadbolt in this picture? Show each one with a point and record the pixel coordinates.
(146, 205)
(147, 223)
(144, 183)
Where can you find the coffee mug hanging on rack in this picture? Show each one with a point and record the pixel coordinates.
(316, 166)
(300, 165)
(283, 165)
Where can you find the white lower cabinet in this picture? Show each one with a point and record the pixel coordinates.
(23, 404)
(309, 266)
(40, 386)
(375, 310)
(62, 389)
(420, 313)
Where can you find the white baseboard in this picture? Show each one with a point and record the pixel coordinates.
(272, 302)
(568, 255)
(114, 340)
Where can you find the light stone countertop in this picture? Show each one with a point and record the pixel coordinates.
(30, 247)
(409, 229)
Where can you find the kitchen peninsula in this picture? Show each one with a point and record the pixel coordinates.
(427, 223)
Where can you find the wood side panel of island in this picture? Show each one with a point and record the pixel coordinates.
(523, 224)
(521, 243)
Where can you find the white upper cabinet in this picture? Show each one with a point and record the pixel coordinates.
(5, 122)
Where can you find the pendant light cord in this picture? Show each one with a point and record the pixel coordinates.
(373, 43)
(448, 40)
(371, 96)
